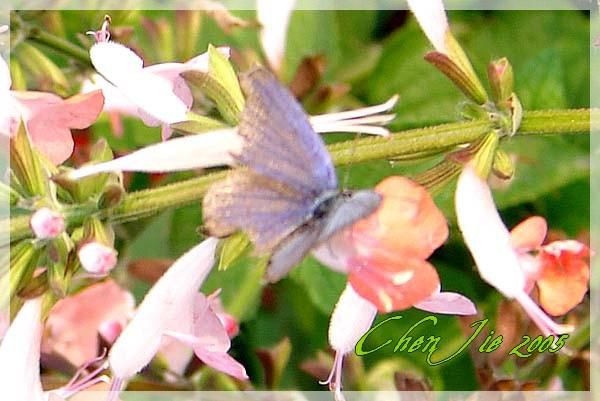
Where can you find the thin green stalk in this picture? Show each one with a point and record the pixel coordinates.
(59, 44)
(405, 143)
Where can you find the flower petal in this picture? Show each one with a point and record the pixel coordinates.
(274, 18)
(529, 234)
(20, 354)
(564, 280)
(392, 282)
(74, 322)
(449, 303)
(486, 236)
(150, 92)
(350, 320)
(168, 306)
(432, 18)
(208, 149)
(5, 79)
(222, 362)
(49, 120)
(406, 222)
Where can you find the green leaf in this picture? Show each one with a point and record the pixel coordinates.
(322, 285)
(220, 84)
(232, 248)
(197, 124)
(26, 165)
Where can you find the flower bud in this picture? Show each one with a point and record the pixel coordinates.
(500, 74)
(110, 330)
(97, 258)
(46, 223)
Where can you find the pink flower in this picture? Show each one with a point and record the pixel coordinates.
(174, 308)
(48, 118)
(560, 269)
(46, 223)
(493, 249)
(74, 322)
(385, 254)
(97, 258)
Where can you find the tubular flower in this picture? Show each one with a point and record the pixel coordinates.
(20, 360)
(173, 308)
(385, 254)
(48, 118)
(214, 148)
(274, 18)
(350, 320)
(157, 93)
(384, 257)
(560, 269)
(492, 248)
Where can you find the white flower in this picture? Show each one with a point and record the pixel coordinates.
(489, 241)
(174, 308)
(214, 148)
(432, 17)
(274, 17)
(350, 320)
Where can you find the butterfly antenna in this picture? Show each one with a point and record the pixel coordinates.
(352, 154)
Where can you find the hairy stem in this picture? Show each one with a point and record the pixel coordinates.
(405, 143)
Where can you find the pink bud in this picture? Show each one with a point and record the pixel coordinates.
(46, 223)
(97, 258)
(229, 323)
(110, 330)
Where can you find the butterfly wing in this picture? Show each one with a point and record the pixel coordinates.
(279, 141)
(286, 168)
(344, 210)
(267, 210)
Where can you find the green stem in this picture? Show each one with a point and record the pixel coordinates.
(404, 143)
(59, 44)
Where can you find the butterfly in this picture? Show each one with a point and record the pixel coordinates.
(284, 194)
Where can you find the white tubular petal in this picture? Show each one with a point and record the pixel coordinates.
(151, 93)
(5, 80)
(486, 236)
(352, 114)
(208, 149)
(432, 17)
(360, 129)
(168, 306)
(546, 325)
(351, 319)
(20, 355)
(274, 16)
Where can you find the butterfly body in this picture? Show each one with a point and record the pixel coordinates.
(286, 195)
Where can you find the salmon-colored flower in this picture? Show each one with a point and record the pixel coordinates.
(385, 254)
(74, 322)
(560, 269)
(48, 118)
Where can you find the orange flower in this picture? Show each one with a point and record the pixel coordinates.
(560, 269)
(385, 254)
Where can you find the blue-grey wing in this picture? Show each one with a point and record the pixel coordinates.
(279, 141)
(265, 209)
